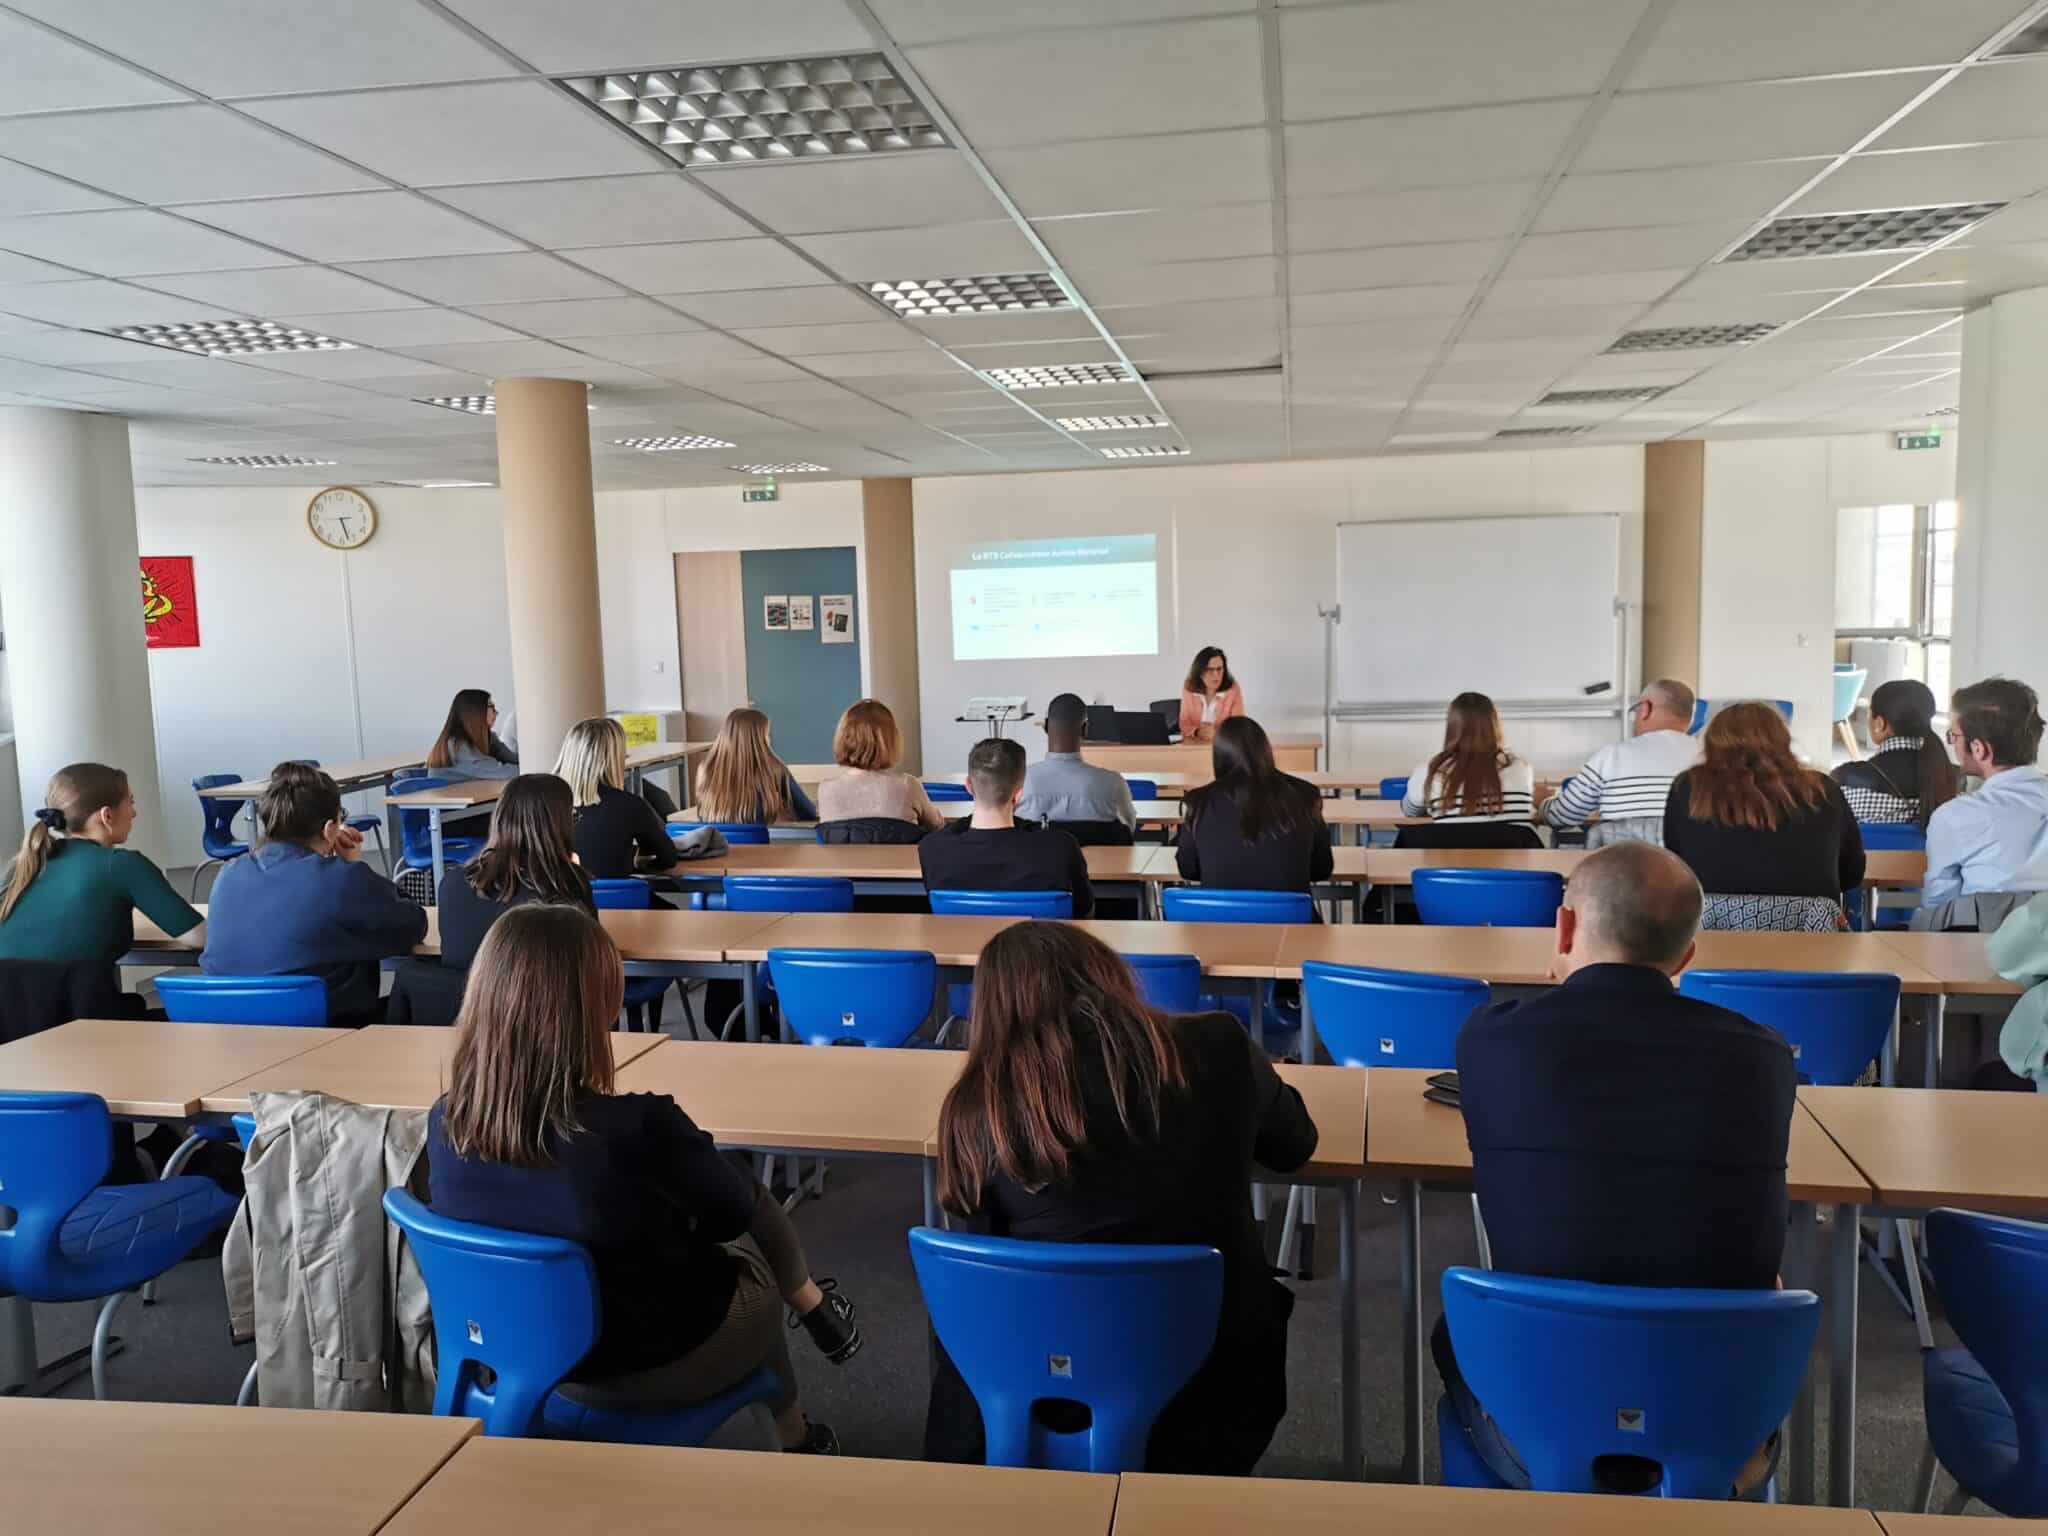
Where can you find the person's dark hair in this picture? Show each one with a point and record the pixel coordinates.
(1747, 774)
(468, 724)
(296, 804)
(532, 846)
(1639, 898)
(2005, 715)
(994, 770)
(77, 793)
(1047, 997)
(1907, 705)
(1269, 803)
(1466, 774)
(1203, 657)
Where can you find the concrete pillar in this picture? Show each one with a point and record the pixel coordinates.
(2001, 622)
(550, 561)
(70, 596)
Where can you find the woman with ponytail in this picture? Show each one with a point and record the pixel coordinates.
(73, 891)
(1909, 776)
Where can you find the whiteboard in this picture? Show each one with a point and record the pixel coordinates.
(1521, 608)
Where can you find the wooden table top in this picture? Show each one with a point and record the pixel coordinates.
(898, 861)
(550, 1487)
(1507, 956)
(1942, 1146)
(1840, 952)
(454, 795)
(1896, 1524)
(653, 934)
(177, 1469)
(1225, 949)
(1335, 1097)
(361, 771)
(1955, 960)
(149, 1069)
(384, 1066)
(1886, 868)
(1149, 1504)
(653, 754)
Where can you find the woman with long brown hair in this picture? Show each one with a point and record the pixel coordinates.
(694, 1260)
(529, 857)
(1084, 1116)
(468, 747)
(1475, 778)
(742, 780)
(1773, 841)
(1252, 827)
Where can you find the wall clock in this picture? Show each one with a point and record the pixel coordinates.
(341, 517)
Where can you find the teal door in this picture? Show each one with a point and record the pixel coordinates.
(801, 678)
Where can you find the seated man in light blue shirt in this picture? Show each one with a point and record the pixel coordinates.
(1987, 852)
(1063, 789)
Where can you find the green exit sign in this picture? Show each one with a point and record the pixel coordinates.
(757, 493)
(1919, 439)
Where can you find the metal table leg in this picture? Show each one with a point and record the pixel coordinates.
(1937, 1021)
(749, 1002)
(1308, 1029)
(1803, 1454)
(1843, 1282)
(931, 1192)
(1347, 1315)
(1411, 1330)
(434, 835)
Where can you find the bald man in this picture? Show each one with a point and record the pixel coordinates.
(1626, 783)
(1620, 1133)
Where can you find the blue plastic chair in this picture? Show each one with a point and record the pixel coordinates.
(217, 825)
(1170, 983)
(1835, 1022)
(738, 834)
(1987, 1402)
(1884, 836)
(1693, 1380)
(960, 996)
(300, 1001)
(1849, 680)
(402, 775)
(643, 993)
(1142, 789)
(935, 792)
(1119, 1328)
(76, 1239)
(875, 997)
(1376, 1018)
(415, 831)
(787, 893)
(1218, 904)
(1487, 898)
(526, 1309)
(1394, 788)
(1702, 708)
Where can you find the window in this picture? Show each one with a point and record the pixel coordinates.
(1940, 607)
(1895, 579)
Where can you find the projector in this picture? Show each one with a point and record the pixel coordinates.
(993, 707)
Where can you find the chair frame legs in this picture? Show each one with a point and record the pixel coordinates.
(1923, 1479)
(246, 1397)
(102, 1334)
(200, 869)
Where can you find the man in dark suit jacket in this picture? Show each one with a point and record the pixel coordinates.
(1620, 1133)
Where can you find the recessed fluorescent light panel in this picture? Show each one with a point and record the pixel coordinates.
(1144, 451)
(671, 444)
(779, 109)
(443, 485)
(266, 461)
(1001, 293)
(1059, 375)
(1110, 423)
(797, 468)
(1602, 396)
(1946, 410)
(1544, 431)
(230, 338)
(1683, 338)
(476, 405)
(1859, 234)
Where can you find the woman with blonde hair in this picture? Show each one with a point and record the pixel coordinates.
(468, 747)
(695, 1261)
(1475, 778)
(868, 744)
(617, 832)
(1773, 842)
(742, 780)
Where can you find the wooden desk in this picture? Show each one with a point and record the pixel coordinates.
(898, 861)
(1397, 866)
(1895, 1524)
(1506, 956)
(1922, 1147)
(1191, 759)
(350, 776)
(147, 1069)
(177, 1469)
(384, 1066)
(457, 795)
(1894, 868)
(1838, 952)
(1225, 949)
(550, 1487)
(655, 935)
(1335, 1097)
(1956, 961)
(1170, 780)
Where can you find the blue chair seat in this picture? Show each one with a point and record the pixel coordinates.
(1968, 1420)
(120, 1235)
(1463, 1466)
(563, 1418)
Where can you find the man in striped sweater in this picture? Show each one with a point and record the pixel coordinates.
(1625, 784)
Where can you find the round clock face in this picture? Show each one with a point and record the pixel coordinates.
(341, 518)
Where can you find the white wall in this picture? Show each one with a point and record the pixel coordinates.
(2001, 622)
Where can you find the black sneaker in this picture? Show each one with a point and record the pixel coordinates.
(830, 1325)
(818, 1440)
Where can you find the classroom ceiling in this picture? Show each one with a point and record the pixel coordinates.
(1285, 229)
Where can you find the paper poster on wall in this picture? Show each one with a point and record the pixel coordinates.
(170, 605)
(641, 730)
(775, 611)
(800, 612)
(836, 619)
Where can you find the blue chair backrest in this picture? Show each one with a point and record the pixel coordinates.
(1004, 903)
(787, 893)
(872, 997)
(1848, 688)
(1395, 788)
(1119, 1328)
(1909, 835)
(738, 834)
(415, 829)
(401, 775)
(523, 1307)
(1375, 1018)
(1702, 708)
(1170, 983)
(935, 791)
(54, 1151)
(1992, 1272)
(1488, 898)
(217, 827)
(1143, 789)
(1218, 904)
(1835, 1022)
(294, 1000)
(622, 895)
(1694, 1380)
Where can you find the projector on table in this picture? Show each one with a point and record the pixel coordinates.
(996, 710)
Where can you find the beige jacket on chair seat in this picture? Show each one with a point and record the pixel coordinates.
(315, 1272)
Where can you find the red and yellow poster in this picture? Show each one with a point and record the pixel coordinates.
(170, 607)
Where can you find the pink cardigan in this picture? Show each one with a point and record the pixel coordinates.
(1229, 702)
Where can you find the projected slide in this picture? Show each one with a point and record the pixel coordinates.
(1057, 597)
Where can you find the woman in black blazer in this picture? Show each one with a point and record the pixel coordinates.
(1254, 828)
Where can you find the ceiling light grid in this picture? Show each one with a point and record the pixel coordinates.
(1060, 375)
(1684, 338)
(999, 293)
(265, 461)
(1603, 396)
(1859, 234)
(476, 405)
(1572, 431)
(673, 443)
(798, 467)
(1133, 423)
(1144, 451)
(230, 338)
(772, 110)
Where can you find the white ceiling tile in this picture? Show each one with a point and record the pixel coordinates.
(1501, 324)
(1219, 317)
(1709, 40)
(274, 290)
(497, 358)
(124, 242)
(1915, 178)
(652, 34)
(1362, 340)
(829, 305)
(361, 363)
(2025, 220)
(1037, 325)
(26, 269)
(804, 197)
(1742, 122)
(508, 131)
(1096, 242)
(1823, 275)
(1598, 288)
(27, 191)
(1179, 170)
(568, 319)
(1428, 149)
(1380, 303)
(1034, 356)
(54, 346)
(933, 21)
(800, 340)
(486, 279)
(858, 365)
(1103, 82)
(600, 210)
(701, 266)
(41, 72)
(2006, 99)
(1183, 282)
(1425, 215)
(674, 351)
(1459, 261)
(174, 155)
(943, 250)
(1620, 250)
(1674, 195)
(364, 226)
(1683, 309)
(1408, 54)
(400, 327)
